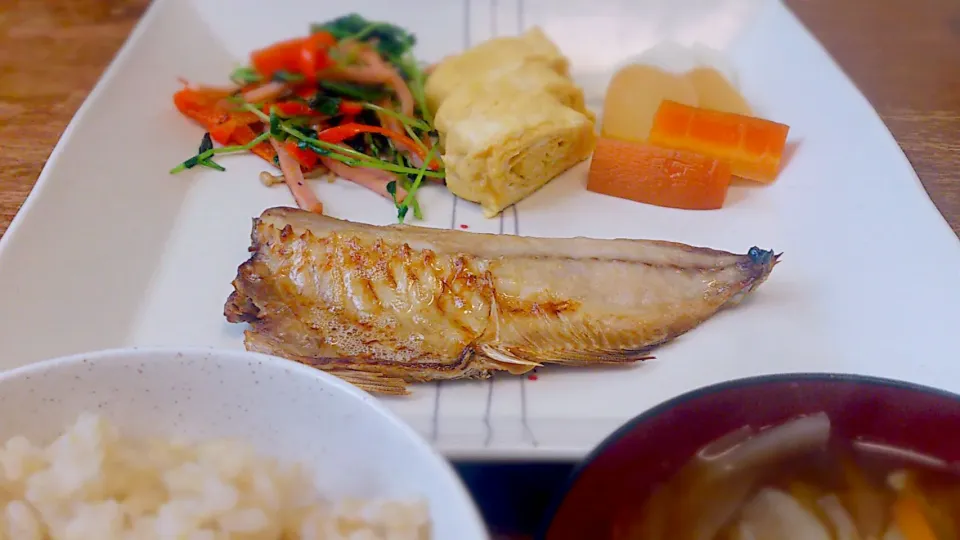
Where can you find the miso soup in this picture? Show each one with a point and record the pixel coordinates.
(795, 481)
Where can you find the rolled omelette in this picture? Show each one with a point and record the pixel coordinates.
(504, 146)
(490, 59)
(533, 78)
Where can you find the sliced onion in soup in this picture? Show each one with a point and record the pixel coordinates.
(787, 440)
(866, 499)
(775, 515)
(725, 443)
(843, 525)
(711, 510)
(714, 485)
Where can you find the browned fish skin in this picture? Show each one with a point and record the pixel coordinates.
(383, 306)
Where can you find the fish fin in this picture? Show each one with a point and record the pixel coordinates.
(560, 343)
(371, 381)
(507, 361)
(596, 357)
(518, 360)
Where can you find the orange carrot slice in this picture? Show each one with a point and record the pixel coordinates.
(202, 108)
(753, 146)
(245, 134)
(660, 176)
(908, 514)
(225, 126)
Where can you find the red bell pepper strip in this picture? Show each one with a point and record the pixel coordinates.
(306, 158)
(351, 108)
(223, 132)
(284, 56)
(306, 91)
(313, 54)
(197, 98)
(225, 127)
(343, 132)
(201, 106)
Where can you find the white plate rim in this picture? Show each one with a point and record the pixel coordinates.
(455, 451)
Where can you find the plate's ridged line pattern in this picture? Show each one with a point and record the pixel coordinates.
(523, 378)
(521, 27)
(490, 383)
(520, 22)
(528, 432)
(486, 413)
(435, 432)
(492, 380)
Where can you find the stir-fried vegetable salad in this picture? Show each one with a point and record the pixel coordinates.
(347, 99)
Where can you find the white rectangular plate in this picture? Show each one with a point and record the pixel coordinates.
(110, 250)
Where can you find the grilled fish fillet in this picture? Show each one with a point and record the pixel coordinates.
(384, 306)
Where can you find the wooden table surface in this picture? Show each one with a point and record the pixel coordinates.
(903, 54)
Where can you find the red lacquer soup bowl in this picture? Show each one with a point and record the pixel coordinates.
(619, 475)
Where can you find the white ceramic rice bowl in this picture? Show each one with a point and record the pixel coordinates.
(293, 412)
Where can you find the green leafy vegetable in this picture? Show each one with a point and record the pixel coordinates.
(326, 105)
(338, 152)
(275, 130)
(307, 131)
(391, 40)
(206, 143)
(407, 181)
(287, 77)
(360, 92)
(410, 201)
(333, 98)
(204, 157)
(415, 138)
(195, 160)
(406, 120)
(392, 190)
(307, 146)
(245, 75)
(416, 209)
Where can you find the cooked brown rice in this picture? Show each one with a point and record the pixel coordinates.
(92, 483)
